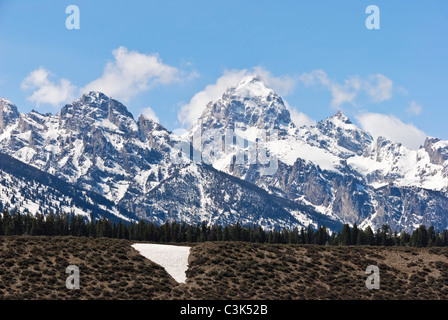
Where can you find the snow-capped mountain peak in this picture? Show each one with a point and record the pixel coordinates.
(94, 96)
(437, 150)
(330, 173)
(8, 113)
(251, 87)
(340, 136)
(341, 117)
(97, 102)
(249, 104)
(5, 102)
(97, 109)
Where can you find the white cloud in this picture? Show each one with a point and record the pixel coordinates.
(191, 111)
(282, 85)
(300, 119)
(315, 77)
(378, 87)
(402, 91)
(414, 108)
(132, 72)
(46, 91)
(342, 94)
(392, 128)
(150, 114)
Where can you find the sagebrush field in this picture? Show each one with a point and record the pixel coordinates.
(34, 268)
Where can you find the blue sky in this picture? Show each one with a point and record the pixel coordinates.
(318, 54)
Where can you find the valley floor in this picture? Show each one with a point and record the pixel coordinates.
(35, 268)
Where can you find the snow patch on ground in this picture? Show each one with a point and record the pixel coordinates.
(173, 258)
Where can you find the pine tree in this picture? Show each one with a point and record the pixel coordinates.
(321, 235)
(174, 232)
(49, 224)
(423, 236)
(431, 236)
(130, 232)
(92, 226)
(332, 240)
(294, 236)
(2, 232)
(302, 236)
(361, 239)
(345, 235)
(219, 233)
(382, 235)
(354, 234)
(17, 223)
(203, 235)
(309, 235)
(34, 228)
(419, 237)
(190, 234)
(8, 228)
(405, 238)
(445, 238)
(212, 235)
(236, 234)
(121, 234)
(183, 231)
(396, 240)
(439, 240)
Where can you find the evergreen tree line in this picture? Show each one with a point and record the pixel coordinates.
(76, 225)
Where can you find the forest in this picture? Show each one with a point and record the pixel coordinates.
(79, 226)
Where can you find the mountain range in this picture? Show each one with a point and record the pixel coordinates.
(244, 160)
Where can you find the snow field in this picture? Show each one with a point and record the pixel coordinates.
(173, 258)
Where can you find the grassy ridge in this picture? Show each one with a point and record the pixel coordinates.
(34, 268)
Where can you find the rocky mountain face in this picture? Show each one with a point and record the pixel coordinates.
(249, 105)
(95, 144)
(8, 114)
(27, 189)
(243, 161)
(437, 150)
(334, 167)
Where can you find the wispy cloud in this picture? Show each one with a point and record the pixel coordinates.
(282, 85)
(414, 108)
(378, 87)
(392, 128)
(300, 119)
(150, 114)
(46, 91)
